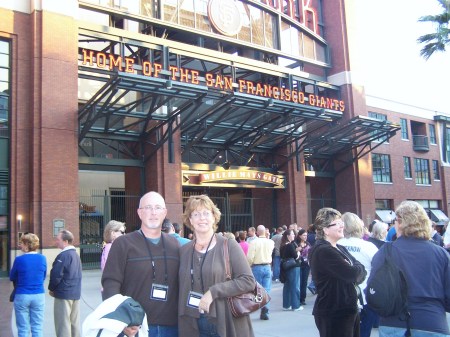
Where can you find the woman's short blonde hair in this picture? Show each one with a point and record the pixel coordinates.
(31, 241)
(202, 201)
(353, 226)
(413, 220)
(112, 226)
(323, 219)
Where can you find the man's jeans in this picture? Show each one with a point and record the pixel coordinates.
(29, 310)
(387, 331)
(163, 330)
(276, 267)
(263, 274)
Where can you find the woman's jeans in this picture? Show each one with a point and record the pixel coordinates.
(291, 289)
(304, 274)
(206, 328)
(387, 331)
(29, 310)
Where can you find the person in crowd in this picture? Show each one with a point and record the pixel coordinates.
(312, 239)
(204, 288)
(144, 265)
(426, 267)
(276, 254)
(436, 237)
(335, 272)
(378, 233)
(391, 234)
(363, 251)
(291, 277)
(113, 230)
(174, 229)
(303, 247)
(251, 234)
(260, 259)
(242, 241)
(28, 274)
(65, 286)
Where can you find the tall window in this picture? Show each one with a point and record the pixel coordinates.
(436, 173)
(404, 126)
(432, 133)
(5, 91)
(422, 171)
(407, 167)
(381, 166)
(382, 118)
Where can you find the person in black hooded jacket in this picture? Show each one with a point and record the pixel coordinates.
(336, 274)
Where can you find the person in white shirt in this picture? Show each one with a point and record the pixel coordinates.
(363, 251)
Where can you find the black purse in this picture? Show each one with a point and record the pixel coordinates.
(289, 263)
(13, 293)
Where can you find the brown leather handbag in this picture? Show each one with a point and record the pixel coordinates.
(244, 304)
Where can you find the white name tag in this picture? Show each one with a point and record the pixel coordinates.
(194, 299)
(159, 292)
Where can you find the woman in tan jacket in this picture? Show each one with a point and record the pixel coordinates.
(203, 308)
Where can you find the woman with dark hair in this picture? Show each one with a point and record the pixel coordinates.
(291, 287)
(203, 286)
(303, 247)
(28, 274)
(426, 267)
(335, 272)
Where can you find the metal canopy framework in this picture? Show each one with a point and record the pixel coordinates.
(130, 116)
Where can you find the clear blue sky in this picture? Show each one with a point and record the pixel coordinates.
(396, 70)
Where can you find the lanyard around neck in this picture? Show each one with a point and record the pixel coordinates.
(153, 261)
(201, 265)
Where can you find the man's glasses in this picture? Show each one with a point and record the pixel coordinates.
(121, 231)
(197, 215)
(155, 209)
(336, 222)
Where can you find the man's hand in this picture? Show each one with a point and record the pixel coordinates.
(131, 331)
(51, 293)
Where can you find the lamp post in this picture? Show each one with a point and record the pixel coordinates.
(19, 221)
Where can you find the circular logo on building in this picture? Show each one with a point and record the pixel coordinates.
(225, 16)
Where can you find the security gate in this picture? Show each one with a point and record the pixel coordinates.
(97, 208)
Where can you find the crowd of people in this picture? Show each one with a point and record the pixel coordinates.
(182, 286)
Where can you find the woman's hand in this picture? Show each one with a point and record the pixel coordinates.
(205, 302)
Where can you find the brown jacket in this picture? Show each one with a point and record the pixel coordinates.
(128, 271)
(214, 279)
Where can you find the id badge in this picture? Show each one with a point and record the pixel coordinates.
(159, 292)
(194, 299)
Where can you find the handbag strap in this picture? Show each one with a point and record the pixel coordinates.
(227, 259)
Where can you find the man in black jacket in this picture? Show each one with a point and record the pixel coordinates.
(65, 287)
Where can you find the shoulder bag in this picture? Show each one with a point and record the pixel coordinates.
(244, 304)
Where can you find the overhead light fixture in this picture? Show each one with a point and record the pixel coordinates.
(168, 84)
(226, 165)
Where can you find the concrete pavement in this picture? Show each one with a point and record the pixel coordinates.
(281, 323)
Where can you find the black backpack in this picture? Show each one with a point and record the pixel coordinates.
(387, 290)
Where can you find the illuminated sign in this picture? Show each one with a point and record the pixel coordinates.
(233, 178)
(212, 80)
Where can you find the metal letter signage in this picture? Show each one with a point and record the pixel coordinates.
(225, 16)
